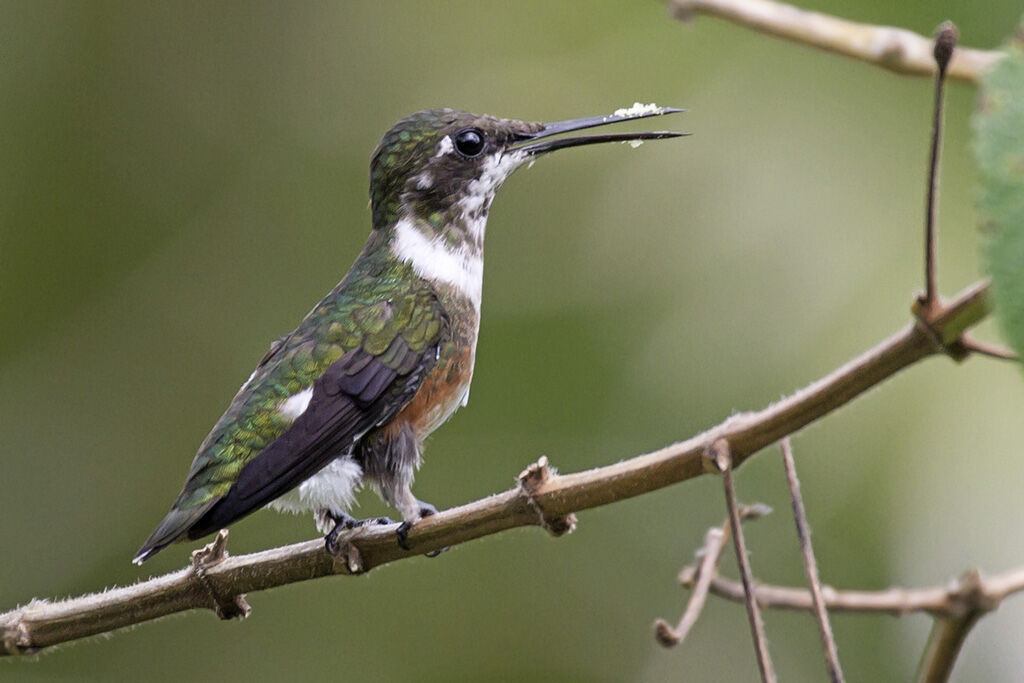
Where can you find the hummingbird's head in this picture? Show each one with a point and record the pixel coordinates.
(434, 175)
(443, 166)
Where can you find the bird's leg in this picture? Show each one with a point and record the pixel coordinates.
(346, 522)
(413, 510)
(389, 460)
(426, 510)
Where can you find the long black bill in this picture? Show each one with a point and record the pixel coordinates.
(631, 114)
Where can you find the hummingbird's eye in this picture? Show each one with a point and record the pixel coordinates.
(469, 142)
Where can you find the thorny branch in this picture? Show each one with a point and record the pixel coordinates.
(891, 48)
(539, 501)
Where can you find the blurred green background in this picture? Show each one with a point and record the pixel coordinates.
(182, 182)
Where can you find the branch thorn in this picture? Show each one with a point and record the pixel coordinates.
(717, 457)
(348, 559)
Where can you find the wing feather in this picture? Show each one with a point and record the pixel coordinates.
(343, 408)
(355, 393)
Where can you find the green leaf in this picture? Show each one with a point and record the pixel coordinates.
(999, 151)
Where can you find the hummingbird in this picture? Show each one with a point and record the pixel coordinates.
(387, 356)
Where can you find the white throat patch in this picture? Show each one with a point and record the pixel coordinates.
(460, 266)
(433, 259)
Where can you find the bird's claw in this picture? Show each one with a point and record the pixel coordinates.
(344, 523)
(331, 540)
(402, 534)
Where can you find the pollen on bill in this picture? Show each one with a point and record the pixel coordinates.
(639, 109)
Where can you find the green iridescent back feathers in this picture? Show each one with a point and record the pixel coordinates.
(376, 303)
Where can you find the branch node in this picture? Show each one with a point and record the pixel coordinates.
(924, 312)
(717, 457)
(347, 559)
(17, 640)
(531, 481)
(215, 552)
(968, 596)
(689, 574)
(958, 351)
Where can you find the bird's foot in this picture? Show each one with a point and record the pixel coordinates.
(426, 509)
(402, 533)
(343, 523)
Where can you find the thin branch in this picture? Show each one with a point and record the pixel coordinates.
(40, 624)
(943, 602)
(969, 601)
(945, 43)
(944, 643)
(972, 345)
(710, 554)
(828, 640)
(721, 456)
(956, 606)
(892, 48)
